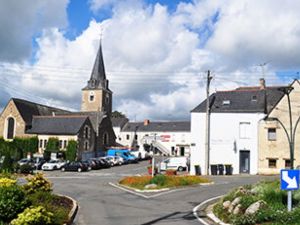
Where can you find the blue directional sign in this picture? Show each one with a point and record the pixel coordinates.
(289, 180)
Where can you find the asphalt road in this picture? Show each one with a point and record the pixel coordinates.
(102, 204)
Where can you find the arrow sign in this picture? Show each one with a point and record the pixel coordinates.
(289, 179)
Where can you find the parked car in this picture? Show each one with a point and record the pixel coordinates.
(175, 163)
(75, 166)
(119, 160)
(53, 165)
(104, 163)
(124, 153)
(94, 164)
(25, 161)
(110, 160)
(38, 163)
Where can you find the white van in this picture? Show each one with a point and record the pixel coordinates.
(174, 163)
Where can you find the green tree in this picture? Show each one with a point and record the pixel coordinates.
(71, 152)
(117, 114)
(52, 145)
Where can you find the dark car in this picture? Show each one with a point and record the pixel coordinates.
(38, 163)
(75, 166)
(104, 163)
(94, 164)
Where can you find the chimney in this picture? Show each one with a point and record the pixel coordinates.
(262, 84)
(146, 122)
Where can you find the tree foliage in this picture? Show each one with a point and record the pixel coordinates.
(52, 145)
(117, 114)
(71, 152)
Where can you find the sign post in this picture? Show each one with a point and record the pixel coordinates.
(289, 181)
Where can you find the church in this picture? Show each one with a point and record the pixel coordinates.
(91, 127)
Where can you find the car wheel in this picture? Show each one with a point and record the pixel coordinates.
(79, 170)
(180, 169)
(63, 169)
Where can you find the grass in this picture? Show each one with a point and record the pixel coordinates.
(273, 213)
(162, 181)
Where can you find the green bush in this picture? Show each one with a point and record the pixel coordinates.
(12, 202)
(37, 183)
(247, 200)
(52, 145)
(34, 216)
(25, 169)
(52, 204)
(159, 180)
(71, 152)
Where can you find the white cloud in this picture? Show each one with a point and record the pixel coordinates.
(156, 61)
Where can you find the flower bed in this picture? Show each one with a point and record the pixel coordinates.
(162, 181)
(263, 203)
(32, 203)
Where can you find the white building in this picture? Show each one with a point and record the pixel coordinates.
(234, 124)
(167, 138)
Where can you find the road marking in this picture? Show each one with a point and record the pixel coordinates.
(127, 190)
(201, 204)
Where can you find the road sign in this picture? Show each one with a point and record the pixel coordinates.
(289, 180)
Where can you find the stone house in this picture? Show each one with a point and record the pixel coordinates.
(274, 152)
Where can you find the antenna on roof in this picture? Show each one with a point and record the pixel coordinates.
(262, 65)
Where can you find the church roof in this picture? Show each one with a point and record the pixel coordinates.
(29, 109)
(60, 125)
(98, 76)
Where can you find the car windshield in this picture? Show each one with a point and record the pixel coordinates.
(53, 161)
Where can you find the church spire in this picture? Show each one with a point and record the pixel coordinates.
(98, 76)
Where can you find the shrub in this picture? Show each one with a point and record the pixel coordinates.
(159, 180)
(71, 150)
(136, 182)
(37, 183)
(247, 200)
(6, 182)
(7, 165)
(52, 145)
(171, 172)
(34, 216)
(25, 168)
(12, 202)
(53, 204)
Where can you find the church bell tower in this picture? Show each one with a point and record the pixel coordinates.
(96, 96)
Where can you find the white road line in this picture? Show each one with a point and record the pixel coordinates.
(129, 191)
(201, 204)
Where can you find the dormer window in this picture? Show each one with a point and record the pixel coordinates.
(254, 98)
(226, 102)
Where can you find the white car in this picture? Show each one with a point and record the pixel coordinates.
(53, 165)
(175, 163)
(119, 160)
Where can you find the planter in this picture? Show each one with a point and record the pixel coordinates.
(171, 172)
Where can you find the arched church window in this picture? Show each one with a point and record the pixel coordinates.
(10, 128)
(105, 138)
(86, 145)
(86, 132)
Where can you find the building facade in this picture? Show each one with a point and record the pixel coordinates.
(274, 151)
(235, 118)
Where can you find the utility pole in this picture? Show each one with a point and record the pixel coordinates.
(207, 129)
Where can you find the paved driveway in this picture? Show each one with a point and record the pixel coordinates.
(102, 204)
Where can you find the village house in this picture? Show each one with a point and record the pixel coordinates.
(166, 138)
(235, 118)
(274, 152)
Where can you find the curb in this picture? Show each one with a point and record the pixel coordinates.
(73, 211)
(204, 205)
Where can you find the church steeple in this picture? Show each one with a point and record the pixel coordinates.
(98, 76)
(96, 96)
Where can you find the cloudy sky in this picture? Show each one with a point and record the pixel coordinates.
(156, 52)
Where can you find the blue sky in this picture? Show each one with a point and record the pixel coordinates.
(156, 52)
